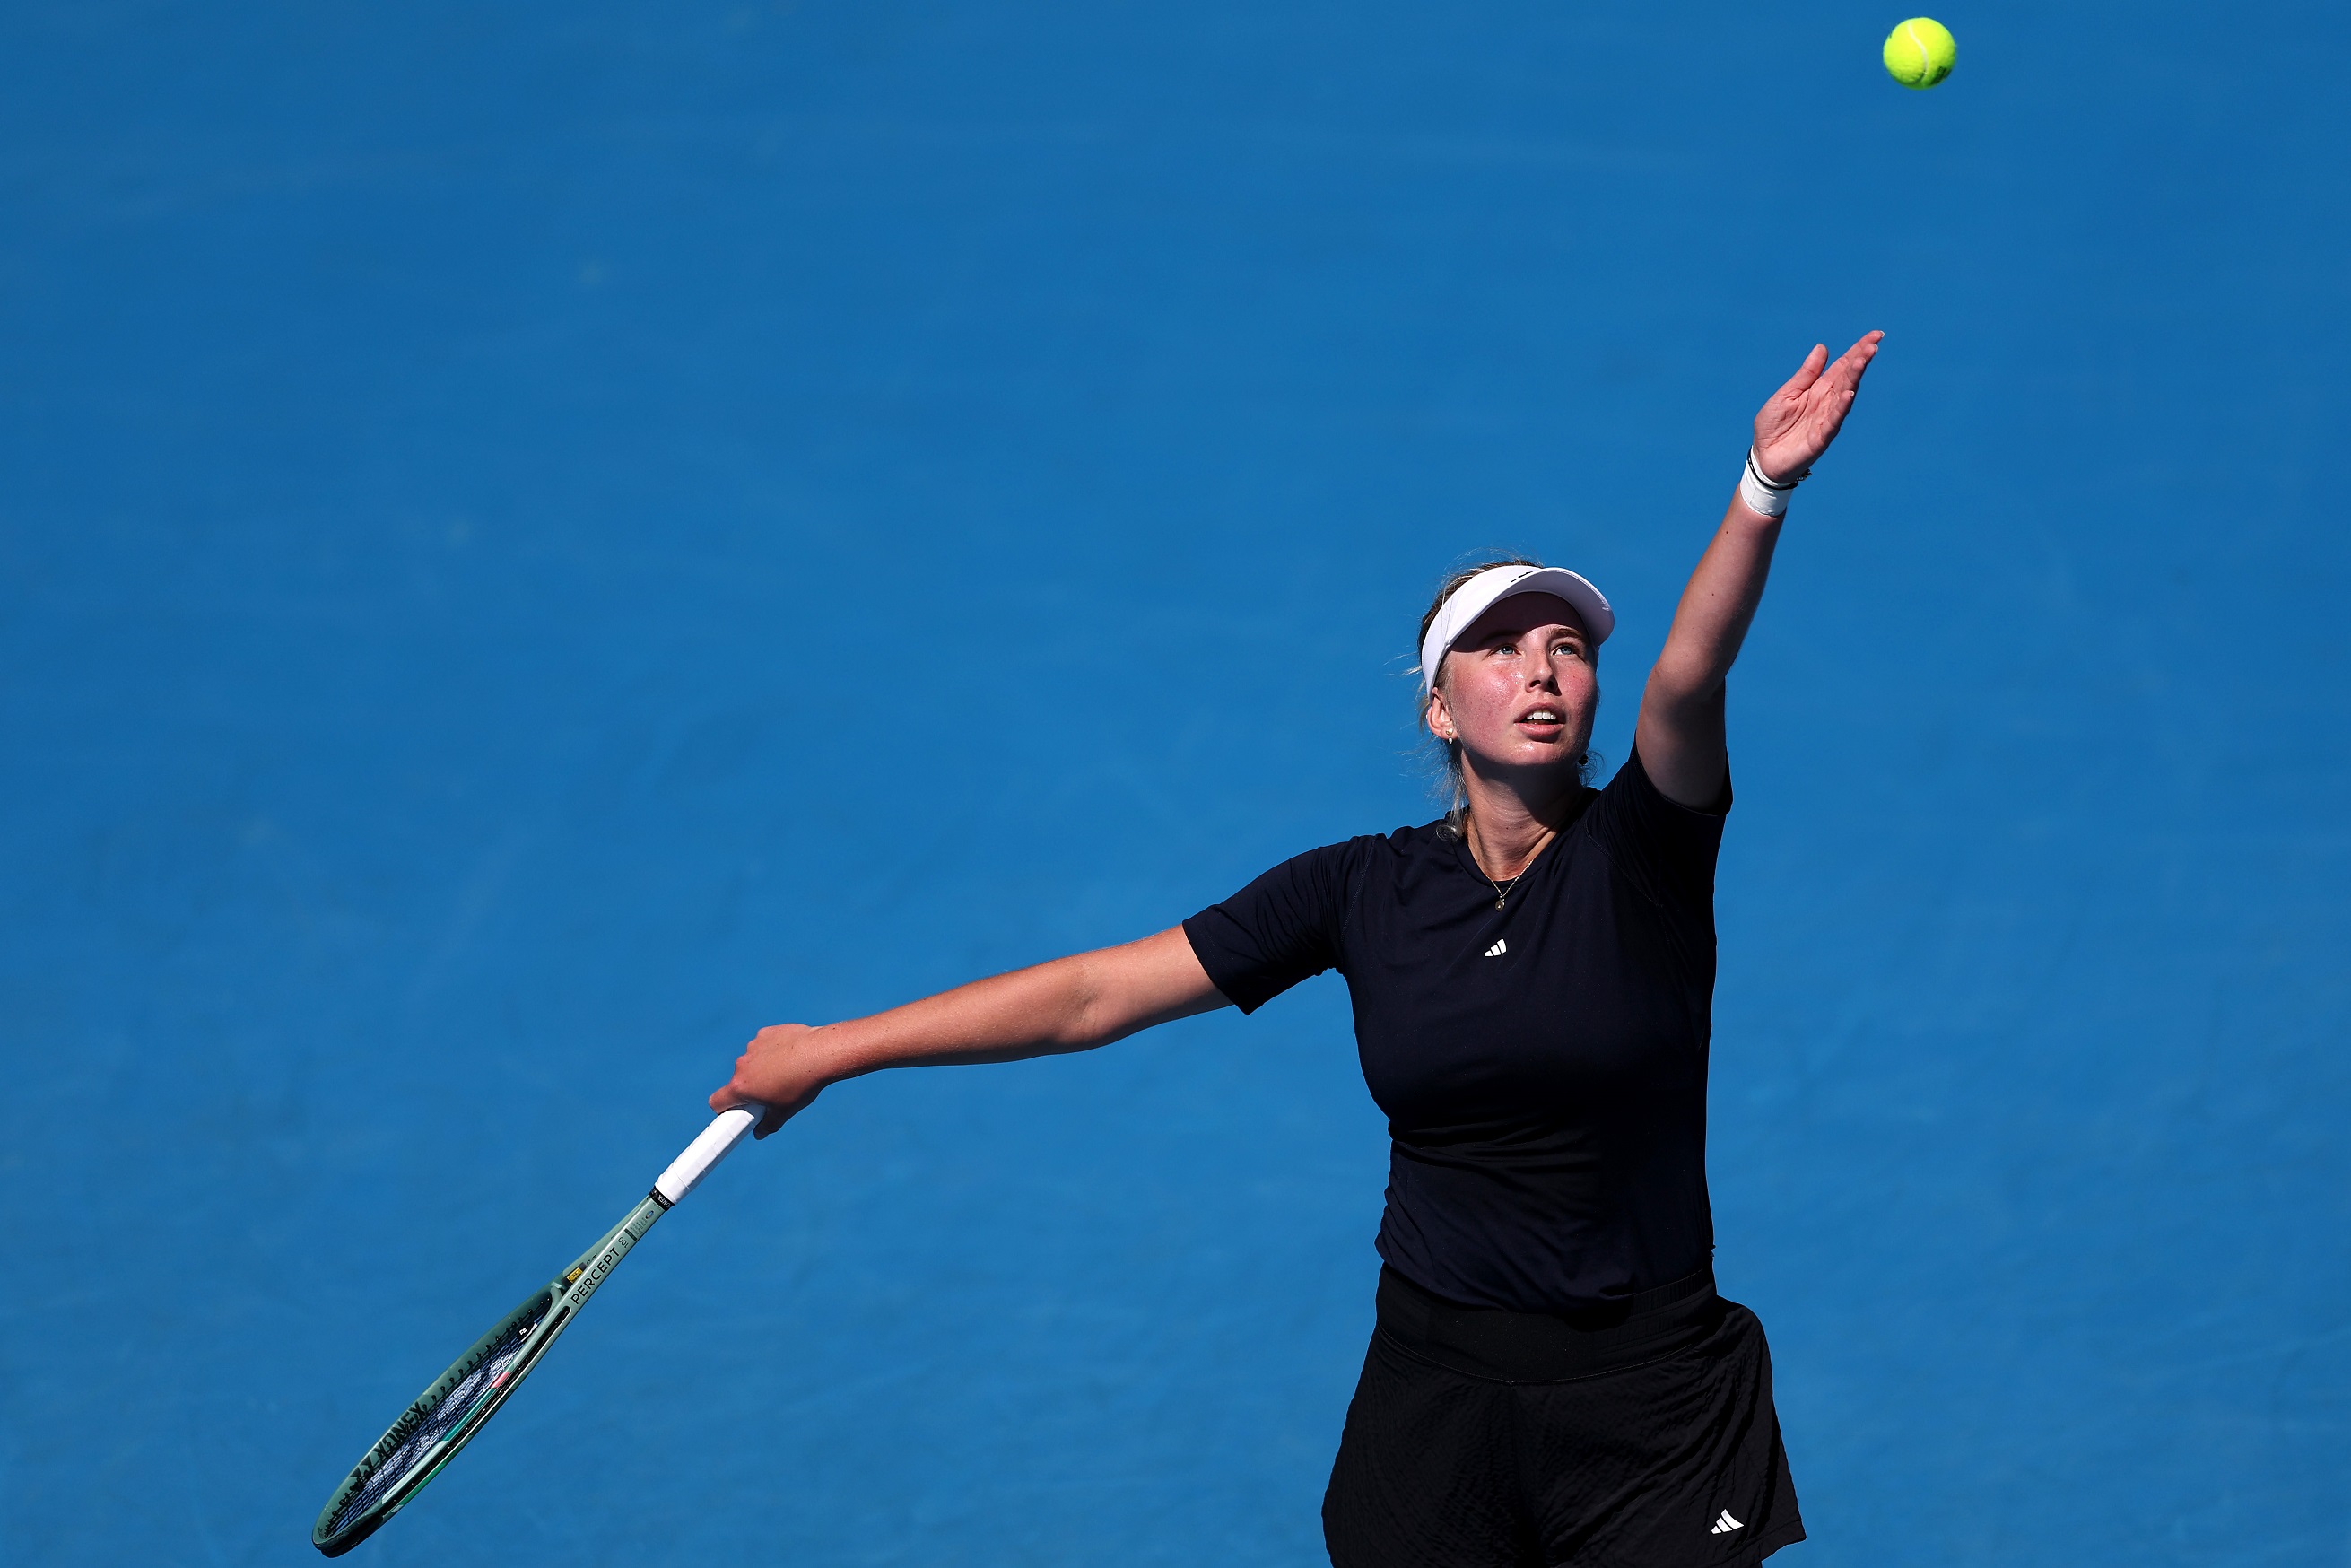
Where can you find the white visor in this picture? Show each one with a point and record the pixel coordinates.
(1478, 595)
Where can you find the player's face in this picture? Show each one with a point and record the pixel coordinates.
(1519, 688)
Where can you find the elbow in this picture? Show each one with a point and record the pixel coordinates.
(1088, 1016)
(1106, 995)
(1686, 688)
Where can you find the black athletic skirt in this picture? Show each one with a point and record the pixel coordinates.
(1643, 1437)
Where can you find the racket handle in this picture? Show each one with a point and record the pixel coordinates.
(719, 1138)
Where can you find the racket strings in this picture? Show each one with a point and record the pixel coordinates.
(449, 1412)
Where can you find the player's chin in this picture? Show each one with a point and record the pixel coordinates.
(1530, 759)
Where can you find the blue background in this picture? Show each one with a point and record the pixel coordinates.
(536, 539)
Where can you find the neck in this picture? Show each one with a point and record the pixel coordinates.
(1511, 819)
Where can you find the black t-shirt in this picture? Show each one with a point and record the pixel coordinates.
(1543, 1066)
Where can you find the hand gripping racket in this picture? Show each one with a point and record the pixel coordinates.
(446, 1416)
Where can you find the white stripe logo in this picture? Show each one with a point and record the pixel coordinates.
(1725, 1524)
(1498, 950)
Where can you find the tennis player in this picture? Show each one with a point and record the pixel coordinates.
(1553, 1379)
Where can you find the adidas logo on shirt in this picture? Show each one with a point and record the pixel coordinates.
(1725, 1524)
(1497, 950)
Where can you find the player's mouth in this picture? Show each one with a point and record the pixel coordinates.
(1541, 723)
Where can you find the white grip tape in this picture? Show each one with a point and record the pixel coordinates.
(725, 1131)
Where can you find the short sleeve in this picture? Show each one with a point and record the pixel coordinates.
(1282, 929)
(1666, 851)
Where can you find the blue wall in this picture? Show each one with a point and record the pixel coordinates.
(534, 540)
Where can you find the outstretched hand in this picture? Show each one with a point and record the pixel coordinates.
(1800, 420)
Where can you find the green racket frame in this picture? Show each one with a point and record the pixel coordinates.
(568, 1294)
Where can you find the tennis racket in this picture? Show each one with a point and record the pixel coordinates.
(445, 1416)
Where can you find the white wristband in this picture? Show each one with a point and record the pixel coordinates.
(1759, 495)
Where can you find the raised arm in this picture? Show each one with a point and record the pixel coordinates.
(1071, 1004)
(1680, 734)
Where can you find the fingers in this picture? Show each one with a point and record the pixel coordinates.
(1805, 415)
(1842, 376)
(770, 1116)
(1835, 395)
(1842, 382)
(1854, 361)
(735, 1091)
(771, 1077)
(1806, 373)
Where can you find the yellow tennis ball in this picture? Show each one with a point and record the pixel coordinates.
(1919, 53)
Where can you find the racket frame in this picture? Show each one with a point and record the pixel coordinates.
(570, 1290)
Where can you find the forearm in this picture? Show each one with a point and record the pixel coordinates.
(1717, 607)
(1681, 732)
(1040, 1012)
(1070, 1004)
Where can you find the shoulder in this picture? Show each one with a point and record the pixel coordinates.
(1427, 839)
(1665, 848)
(1408, 853)
(1430, 838)
(1632, 791)
(1382, 854)
(1335, 876)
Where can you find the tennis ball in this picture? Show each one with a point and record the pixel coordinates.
(1919, 53)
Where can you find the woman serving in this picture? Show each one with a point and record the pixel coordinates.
(1553, 1379)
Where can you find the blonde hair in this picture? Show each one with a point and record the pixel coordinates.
(1449, 785)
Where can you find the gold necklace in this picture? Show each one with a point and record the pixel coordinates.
(1502, 888)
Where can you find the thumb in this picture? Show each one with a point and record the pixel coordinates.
(1806, 373)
